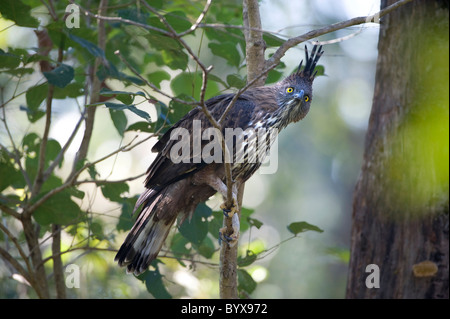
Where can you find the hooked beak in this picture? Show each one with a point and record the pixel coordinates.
(299, 95)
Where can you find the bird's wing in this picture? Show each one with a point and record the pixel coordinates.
(163, 171)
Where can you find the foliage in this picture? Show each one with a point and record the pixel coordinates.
(62, 68)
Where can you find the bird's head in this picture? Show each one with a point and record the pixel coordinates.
(294, 94)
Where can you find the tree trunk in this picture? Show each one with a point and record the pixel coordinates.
(401, 201)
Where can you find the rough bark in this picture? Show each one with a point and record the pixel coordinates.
(401, 201)
(255, 47)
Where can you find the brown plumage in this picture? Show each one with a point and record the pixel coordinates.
(175, 189)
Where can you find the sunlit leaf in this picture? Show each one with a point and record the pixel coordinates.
(301, 227)
(58, 209)
(114, 191)
(247, 260)
(157, 77)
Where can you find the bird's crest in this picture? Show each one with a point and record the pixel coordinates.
(311, 62)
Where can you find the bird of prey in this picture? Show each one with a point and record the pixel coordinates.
(174, 188)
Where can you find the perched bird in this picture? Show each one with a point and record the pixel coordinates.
(175, 186)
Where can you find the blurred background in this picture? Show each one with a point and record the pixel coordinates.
(318, 165)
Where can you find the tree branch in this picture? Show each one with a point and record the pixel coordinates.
(279, 53)
(199, 19)
(57, 263)
(16, 265)
(254, 43)
(19, 248)
(95, 89)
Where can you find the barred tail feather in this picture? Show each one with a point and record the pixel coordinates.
(145, 240)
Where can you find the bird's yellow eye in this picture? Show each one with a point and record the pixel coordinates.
(306, 98)
(289, 90)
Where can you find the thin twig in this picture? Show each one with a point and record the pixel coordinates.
(16, 265)
(122, 20)
(199, 19)
(101, 182)
(19, 248)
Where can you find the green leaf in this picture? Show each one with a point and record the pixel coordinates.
(190, 84)
(320, 69)
(140, 127)
(342, 254)
(19, 72)
(161, 42)
(272, 40)
(58, 209)
(8, 173)
(206, 249)
(217, 79)
(51, 151)
(36, 95)
(89, 46)
(245, 281)
(157, 77)
(226, 50)
(96, 228)
(235, 80)
(122, 96)
(175, 59)
(134, 15)
(18, 12)
(178, 20)
(245, 222)
(154, 284)
(249, 258)
(132, 108)
(9, 60)
(178, 110)
(119, 120)
(301, 227)
(33, 115)
(178, 247)
(196, 229)
(114, 191)
(273, 76)
(126, 220)
(254, 222)
(72, 90)
(216, 223)
(61, 76)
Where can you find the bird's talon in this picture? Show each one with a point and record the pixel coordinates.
(229, 212)
(230, 240)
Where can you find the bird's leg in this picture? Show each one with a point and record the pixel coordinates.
(218, 185)
(232, 238)
(232, 219)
